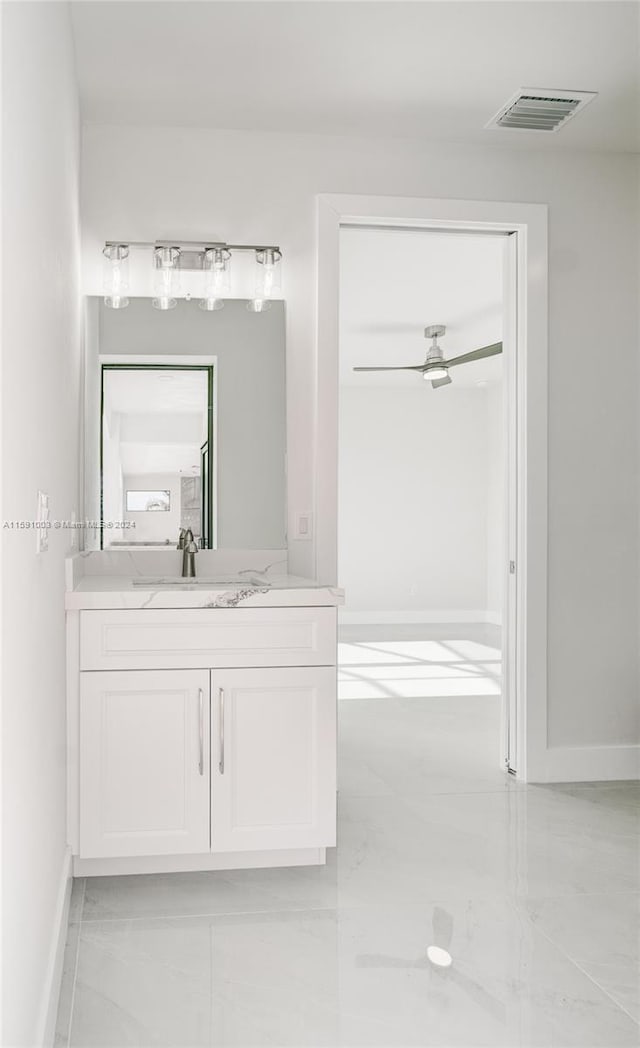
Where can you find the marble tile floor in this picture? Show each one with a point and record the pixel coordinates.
(533, 892)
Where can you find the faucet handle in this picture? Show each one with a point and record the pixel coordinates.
(181, 538)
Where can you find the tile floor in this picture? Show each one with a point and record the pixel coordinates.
(533, 891)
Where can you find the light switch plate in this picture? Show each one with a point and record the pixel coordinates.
(42, 522)
(304, 526)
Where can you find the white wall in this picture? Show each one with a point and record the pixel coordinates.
(134, 186)
(496, 502)
(40, 413)
(413, 504)
(112, 493)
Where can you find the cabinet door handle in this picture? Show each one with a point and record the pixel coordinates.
(221, 728)
(201, 730)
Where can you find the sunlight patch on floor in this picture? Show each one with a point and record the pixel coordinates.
(417, 689)
(417, 669)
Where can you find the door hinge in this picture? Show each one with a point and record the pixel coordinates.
(512, 567)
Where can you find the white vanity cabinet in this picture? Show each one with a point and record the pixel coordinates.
(204, 738)
(273, 758)
(144, 762)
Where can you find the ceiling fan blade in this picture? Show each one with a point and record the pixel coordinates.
(406, 367)
(475, 354)
(440, 382)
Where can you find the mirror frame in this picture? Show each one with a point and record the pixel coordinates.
(208, 501)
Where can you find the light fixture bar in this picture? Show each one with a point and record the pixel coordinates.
(212, 258)
(192, 245)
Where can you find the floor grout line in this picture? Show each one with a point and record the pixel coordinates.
(216, 914)
(507, 791)
(579, 967)
(577, 895)
(513, 896)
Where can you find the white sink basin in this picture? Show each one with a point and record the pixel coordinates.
(245, 582)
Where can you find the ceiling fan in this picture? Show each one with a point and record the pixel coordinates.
(435, 368)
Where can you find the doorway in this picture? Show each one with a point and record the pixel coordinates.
(422, 505)
(524, 617)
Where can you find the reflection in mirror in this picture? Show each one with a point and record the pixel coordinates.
(155, 429)
(190, 402)
(146, 501)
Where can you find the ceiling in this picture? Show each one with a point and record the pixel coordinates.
(393, 283)
(149, 391)
(163, 419)
(159, 459)
(436, 69)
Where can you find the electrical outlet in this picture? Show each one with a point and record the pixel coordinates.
(42, 523)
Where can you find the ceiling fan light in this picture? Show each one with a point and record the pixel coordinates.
(436, 372)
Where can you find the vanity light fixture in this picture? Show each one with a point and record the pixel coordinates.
(211, 258)
(217, 277)
(268, 279)
(116, 275)
(166, 277)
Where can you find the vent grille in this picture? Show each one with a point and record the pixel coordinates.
(535, 110)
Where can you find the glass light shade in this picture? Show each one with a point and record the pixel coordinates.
(166, 282)
(268, 279)
(435, 372)
(217, 278)
(116, 275)
(259, 305)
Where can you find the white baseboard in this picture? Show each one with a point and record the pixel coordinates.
(589, 764)
(247, 860)
(55, 964)
(410, 616)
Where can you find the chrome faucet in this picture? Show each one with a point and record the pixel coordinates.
(189, 550)
(181, 538)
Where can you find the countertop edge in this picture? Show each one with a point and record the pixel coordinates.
(106, 600)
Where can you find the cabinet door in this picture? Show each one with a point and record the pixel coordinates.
(144, 762)
(273, 757)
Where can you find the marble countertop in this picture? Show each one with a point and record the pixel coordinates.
(125, 591)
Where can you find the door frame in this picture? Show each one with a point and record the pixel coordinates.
(530, 327)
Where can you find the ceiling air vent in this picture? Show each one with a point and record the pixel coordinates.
(531, 109)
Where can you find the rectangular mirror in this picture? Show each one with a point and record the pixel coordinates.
(156, 424)
(185, 426)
